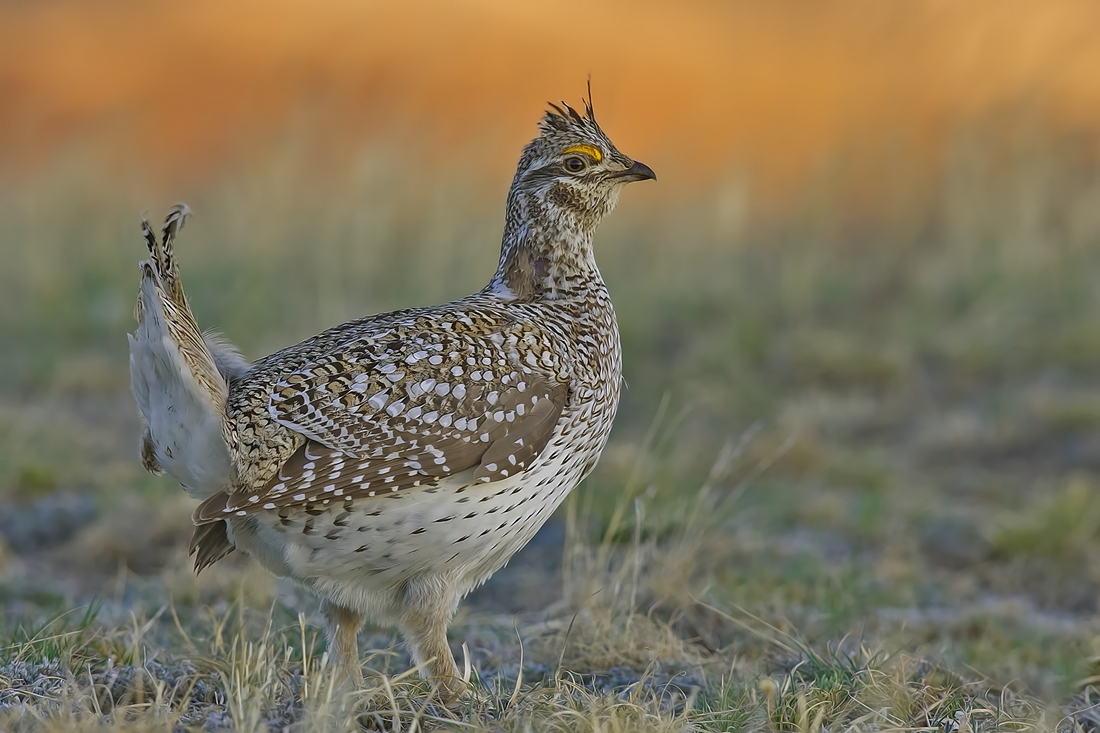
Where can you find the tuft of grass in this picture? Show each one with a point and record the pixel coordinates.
(1064, 527)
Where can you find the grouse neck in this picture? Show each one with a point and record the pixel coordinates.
(545, 252)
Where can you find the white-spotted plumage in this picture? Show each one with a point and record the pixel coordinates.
(393, 463)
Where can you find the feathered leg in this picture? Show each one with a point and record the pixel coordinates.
(427, 610)
(342, 628)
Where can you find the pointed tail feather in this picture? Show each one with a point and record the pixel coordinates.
(160, 251)
(209, 543)
(179, 385)
(155, 255)
(173, 223)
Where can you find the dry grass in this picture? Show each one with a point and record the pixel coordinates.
(851, 486)
(617, 659)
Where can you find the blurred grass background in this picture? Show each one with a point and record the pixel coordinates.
(872, 260)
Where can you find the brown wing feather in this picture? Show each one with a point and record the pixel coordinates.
(515, 450)
(502, 439)
(403, 405)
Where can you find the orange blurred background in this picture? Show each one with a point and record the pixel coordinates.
(181, 91)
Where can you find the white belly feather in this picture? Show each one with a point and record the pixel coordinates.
(459, 530)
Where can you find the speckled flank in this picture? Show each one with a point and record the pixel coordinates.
(393, 463)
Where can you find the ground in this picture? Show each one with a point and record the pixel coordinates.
(854, 483)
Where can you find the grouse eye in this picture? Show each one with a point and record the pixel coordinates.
(575, 164)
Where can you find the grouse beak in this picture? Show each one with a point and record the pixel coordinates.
(637, 172)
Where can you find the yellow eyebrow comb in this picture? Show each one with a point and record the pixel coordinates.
(589, 150)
